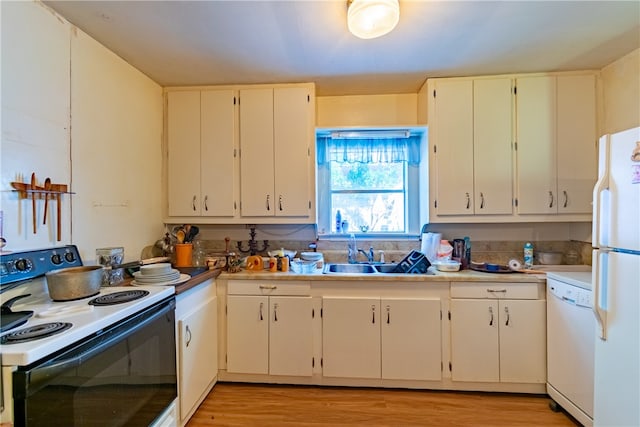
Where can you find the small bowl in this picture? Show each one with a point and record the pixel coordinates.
(448, 266)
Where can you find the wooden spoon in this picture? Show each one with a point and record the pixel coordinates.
(33, 199)
(59, 189)
(47, 188)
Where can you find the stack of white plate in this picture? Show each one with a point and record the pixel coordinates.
(159, 275)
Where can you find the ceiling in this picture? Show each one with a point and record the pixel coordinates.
(179, 43)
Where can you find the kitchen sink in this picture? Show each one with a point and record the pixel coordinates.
(386, 268)
(361, 268)
(349, 269)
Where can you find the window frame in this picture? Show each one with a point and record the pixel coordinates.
(416, 193)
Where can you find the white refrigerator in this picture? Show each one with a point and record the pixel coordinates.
(616, 281)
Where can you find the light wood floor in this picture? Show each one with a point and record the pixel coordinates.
(233, 404)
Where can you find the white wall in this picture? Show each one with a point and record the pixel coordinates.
(367, 110)
(116, 151)
(35, 119)
(56, 78)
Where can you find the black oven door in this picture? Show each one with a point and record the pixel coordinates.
(125, 375)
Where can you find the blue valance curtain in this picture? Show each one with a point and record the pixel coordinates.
(369, 150)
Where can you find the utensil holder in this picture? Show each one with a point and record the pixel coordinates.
(184, 254)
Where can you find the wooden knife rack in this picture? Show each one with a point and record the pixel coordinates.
(32, 191)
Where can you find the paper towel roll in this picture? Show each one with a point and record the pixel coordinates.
(429, 245)
(515, 265)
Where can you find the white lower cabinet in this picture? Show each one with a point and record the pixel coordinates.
(197, 345)
(498, 340)
(269, 334)
(389, 338)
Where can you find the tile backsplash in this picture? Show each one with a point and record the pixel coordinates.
(499, 252)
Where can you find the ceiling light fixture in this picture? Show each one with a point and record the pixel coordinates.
(369, 19)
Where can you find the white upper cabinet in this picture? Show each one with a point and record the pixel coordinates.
(556, 137)
(452, 139)
(536, 149)
(293, 125)
(256, 152)
(201, 147)
(492, 146)
(472, 139)
(241, 153)
(576, 138)
(183, 127)
(516, 148)
(276, 131)
(218, 153)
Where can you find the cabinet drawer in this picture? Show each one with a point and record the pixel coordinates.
(268, 287)
(495, 290)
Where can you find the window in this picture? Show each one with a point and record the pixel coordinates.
(372, 179)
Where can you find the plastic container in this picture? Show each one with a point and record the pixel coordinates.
(444, 251)
(528, 255)
(446, 265)
(550, 258)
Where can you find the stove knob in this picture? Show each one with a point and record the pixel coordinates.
(69, 257)
(56, 259)
(23, 264)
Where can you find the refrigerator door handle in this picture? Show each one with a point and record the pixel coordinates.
(598, 289)
(601, 185)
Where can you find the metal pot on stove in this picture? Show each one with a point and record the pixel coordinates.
(74, 283)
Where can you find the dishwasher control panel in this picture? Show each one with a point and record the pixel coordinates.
(570, 294)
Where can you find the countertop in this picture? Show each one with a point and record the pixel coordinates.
(437, 276)
(197, 279)
(194, 281)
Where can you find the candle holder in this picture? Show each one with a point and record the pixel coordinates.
(253, 244)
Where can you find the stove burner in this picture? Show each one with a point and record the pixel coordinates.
(119, 297)
(32, 333)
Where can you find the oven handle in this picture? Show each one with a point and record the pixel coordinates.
(39, 376)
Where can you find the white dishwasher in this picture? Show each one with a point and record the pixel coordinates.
(570, 343)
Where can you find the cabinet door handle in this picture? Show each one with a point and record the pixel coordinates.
(550, 199)
(268, 202)
(506, 310)
(481, 200)
(468, 200)
(261, 305)
(280, 202)
(566, 198)
(498, 291)
(268, 287)
(373, 314)
(388, 314)
(275, 312)
(206, 203)
(188, 336)
(490, 316)
(193, 203)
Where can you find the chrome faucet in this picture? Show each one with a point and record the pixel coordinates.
(369, 254)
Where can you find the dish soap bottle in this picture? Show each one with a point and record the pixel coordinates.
(338, 222)
(528, 255)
